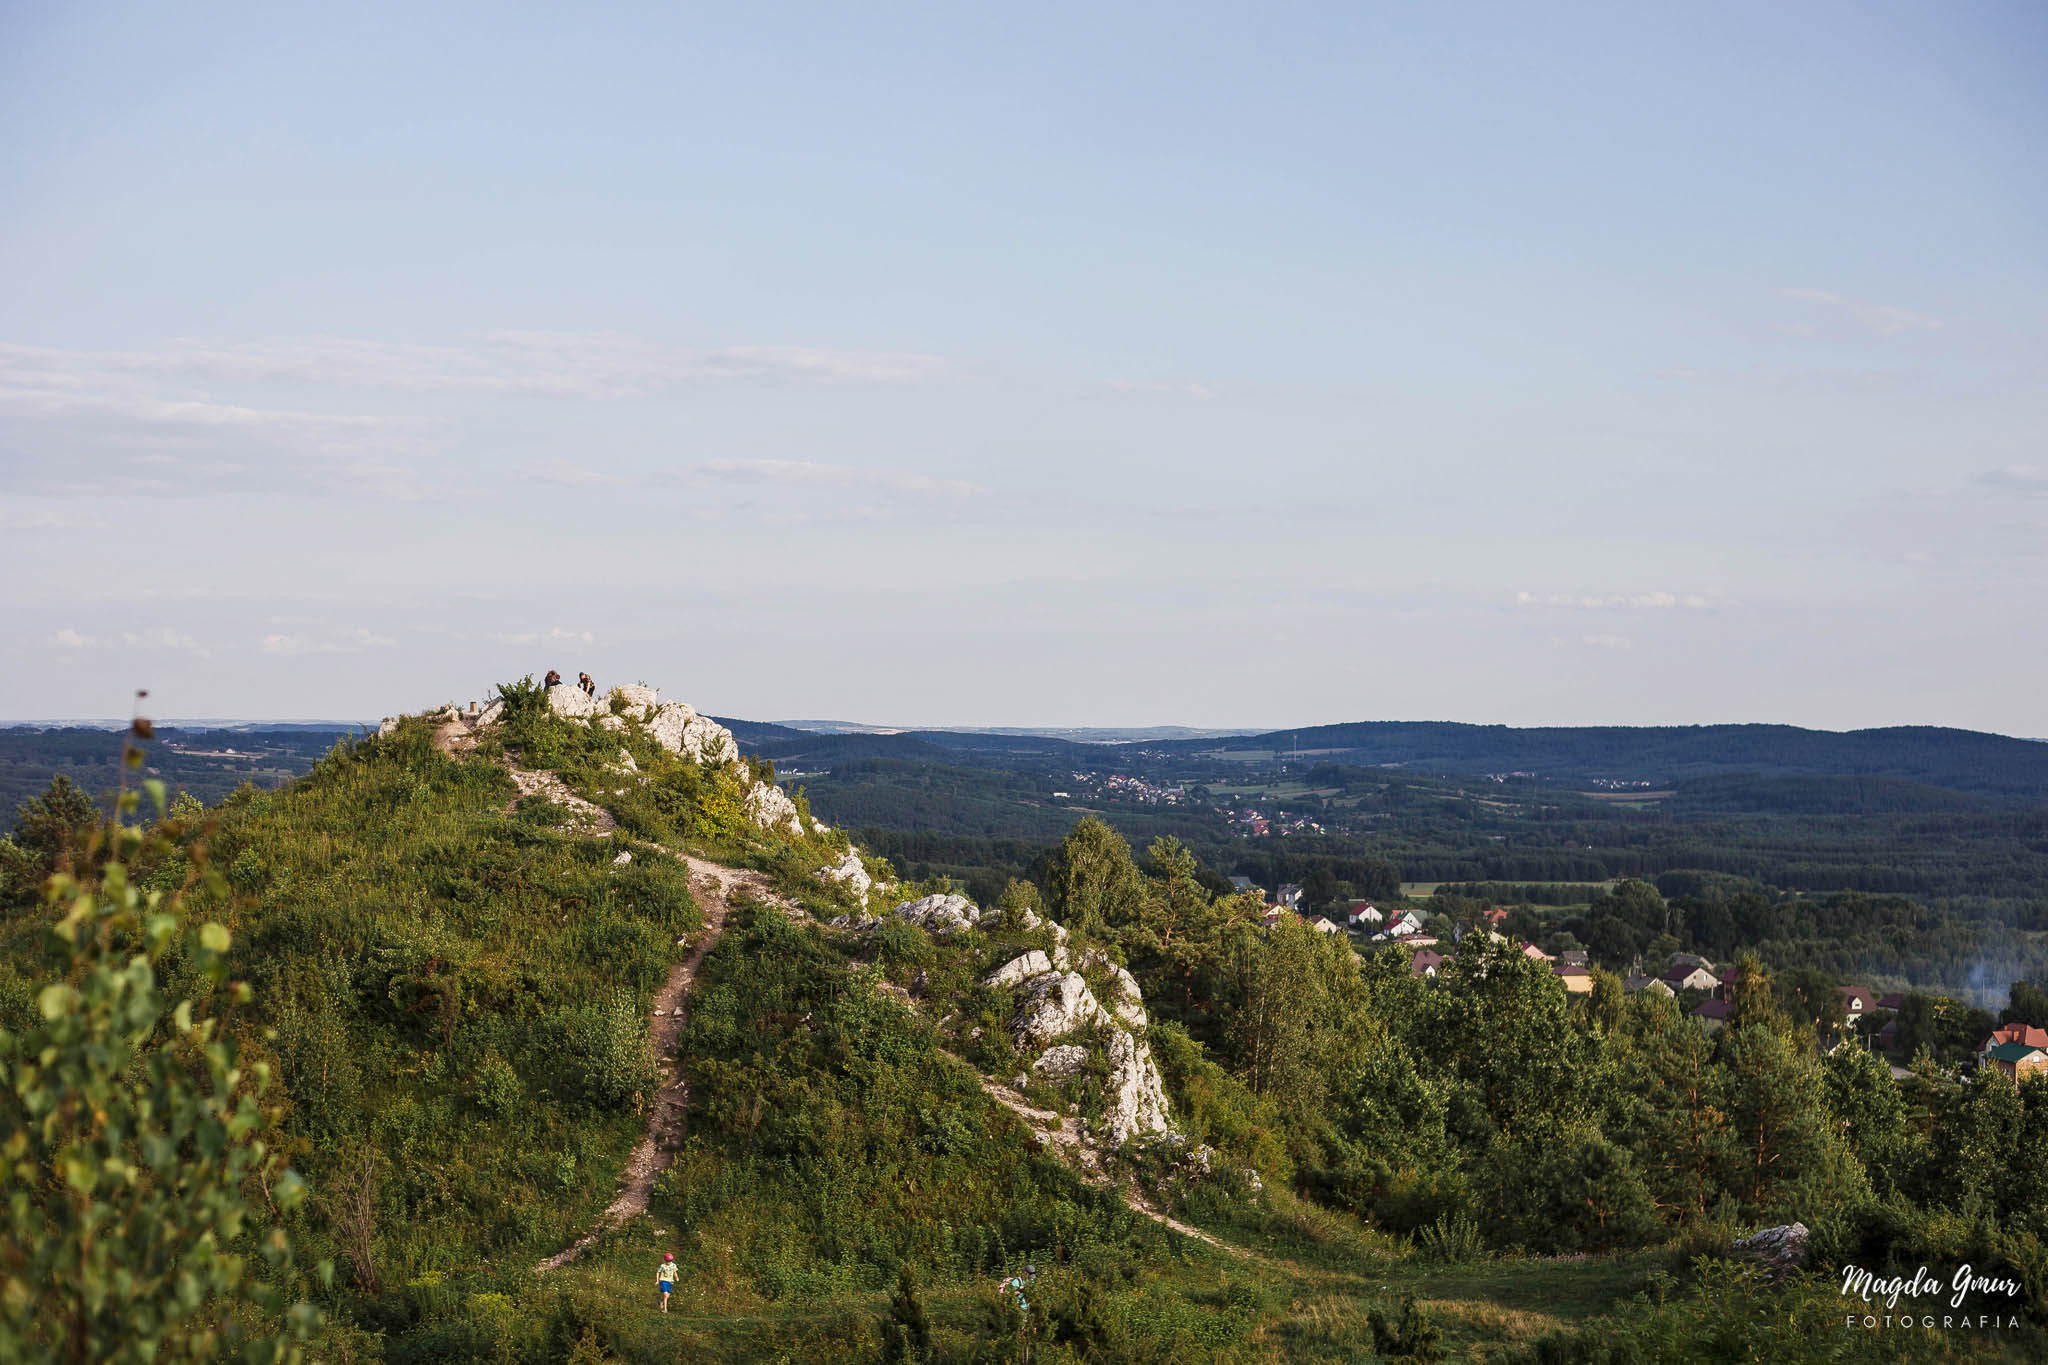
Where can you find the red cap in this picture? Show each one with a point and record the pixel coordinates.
(668, 1256)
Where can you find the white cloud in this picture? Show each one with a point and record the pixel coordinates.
(1152, 388)
(49, 521)
(155, 637)
(1606, 641)
(1883, 319)
(1654, 601)
(566, 473)
(806, 472)
(340, 642)
(555, 636)
(557, 364)
(2017, 478)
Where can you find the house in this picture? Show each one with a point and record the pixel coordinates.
(1690, 960)
(1420, 940)
(1402, 925)
(1272, 916)
(1712, 1015)
(1240, 885)
(1577, 980)
(1636, 981)
(1425, 963)
(1574, 957)
(1891, 1002)
(1363, 913)
(1684, 978)
(1322, 924)
(2018, 1060)
(1494, 916)
(1534, 954)
(2026, 1035)
(1288, 895)
(1856, 1002)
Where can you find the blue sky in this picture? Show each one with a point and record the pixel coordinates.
(1172, 364)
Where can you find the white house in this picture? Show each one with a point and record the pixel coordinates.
(1323, 925)
(1364, 913)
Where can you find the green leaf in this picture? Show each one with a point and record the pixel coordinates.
(55, 1001)
(213, 937)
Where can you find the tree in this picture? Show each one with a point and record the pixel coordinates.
(1869, 1114)
(1812, 999)
(1682, 1124)
(1508, 1033)
(906, 1332)
(2027, 1004)
(48, 831)
(1280, 998)
(1784, 1159)
(1093, 884)
(134, 1141)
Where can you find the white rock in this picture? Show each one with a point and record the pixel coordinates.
(625, 762)
(623, 858)
(1125, 999)
(860, 923)
(612, 723)
(491, 714)
(639, 701)
(678, 728)
(1057, 1003)
(819, 826)
(769, 807)
(1033, 963)
(571, 703)
(850, 873)
(943, 914)
(1137, 1099)
(1062, 1062)
(389, 726)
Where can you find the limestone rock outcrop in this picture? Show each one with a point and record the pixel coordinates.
(677, 727)
(850, 873)
(769, 807)
(1137, 1098)
(1779, 1251)
(1062, 1063)
(1019, 969)
(941, 915)
(571, 703)
(1055, 1004)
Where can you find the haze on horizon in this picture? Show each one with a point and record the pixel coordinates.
(1204, 365)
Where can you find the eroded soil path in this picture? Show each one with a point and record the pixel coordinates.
(668, 1121)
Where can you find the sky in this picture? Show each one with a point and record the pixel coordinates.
(1218, 365)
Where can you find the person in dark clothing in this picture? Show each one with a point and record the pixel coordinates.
(554, 678)
(587, 683)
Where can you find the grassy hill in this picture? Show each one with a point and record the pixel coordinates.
(456, 942)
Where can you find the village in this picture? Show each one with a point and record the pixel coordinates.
(1706, 992)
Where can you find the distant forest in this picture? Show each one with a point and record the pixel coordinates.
(195, 761)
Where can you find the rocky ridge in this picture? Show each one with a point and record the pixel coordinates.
(680, 729)
(1057, 1017)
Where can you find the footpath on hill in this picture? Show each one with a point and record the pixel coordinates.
(668, 1119)
(713, 885)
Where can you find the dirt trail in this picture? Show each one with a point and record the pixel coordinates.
(668, 1121)
(712, 884)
